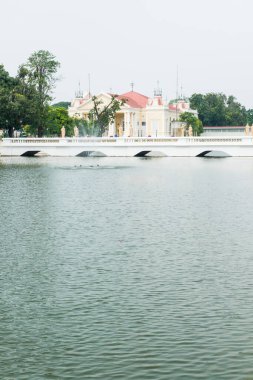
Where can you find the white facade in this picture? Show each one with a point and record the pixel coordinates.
(140, 116)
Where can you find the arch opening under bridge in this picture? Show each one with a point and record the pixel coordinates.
(91, 153)
(213, 154)
(30, 153)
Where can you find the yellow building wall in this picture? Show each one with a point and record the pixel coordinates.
(157, 117)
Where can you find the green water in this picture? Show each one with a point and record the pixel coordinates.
(133, 269)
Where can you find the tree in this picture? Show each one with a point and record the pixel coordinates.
(236, 114)
(38, 76)
(216, 109)
(12, 102)
(102, 115)
(57, 118)
(61, 104)
(7, 85)
(211, 108)
(250, 116)
(190, 119)
(25, 97)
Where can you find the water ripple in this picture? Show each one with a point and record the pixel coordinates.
(144, 272)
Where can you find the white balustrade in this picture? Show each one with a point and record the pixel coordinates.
(229, 140)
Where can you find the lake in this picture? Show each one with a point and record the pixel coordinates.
(126, 268)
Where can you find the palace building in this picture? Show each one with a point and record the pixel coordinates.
(140, 116)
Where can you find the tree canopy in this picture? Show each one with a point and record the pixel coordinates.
(57, 118)
(61, 104)
(38, 74)
(193, 121)
(12, 102)
(217, 109)
(25, 99)
(250, 116)
(102, 115)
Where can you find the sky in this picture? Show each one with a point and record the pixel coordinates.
(116, 42)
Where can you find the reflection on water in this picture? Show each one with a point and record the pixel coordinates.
(133, 269)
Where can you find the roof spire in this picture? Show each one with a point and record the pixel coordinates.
(89, 85)
(79, 93)
(158, 90)
(132, 86)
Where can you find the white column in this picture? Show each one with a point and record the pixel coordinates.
(111, 130)
(126, 124)
(132, 129)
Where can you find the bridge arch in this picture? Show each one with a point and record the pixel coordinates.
(34, 153)
(155, 153)
(142, 153)
(213, 154)
(150, 153)
(30, 153)
(91, 153)
(202, 154)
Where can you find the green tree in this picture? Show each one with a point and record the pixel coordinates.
(236, 114)
(57, 118)
(61, 104)
(12, 102)
(38, 78)
(190, 119)
(6, 87)
(211, 108)
(102, 115)
(216, 109)
(250, 116)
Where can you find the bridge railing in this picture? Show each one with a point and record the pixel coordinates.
(217, 140)
(138, 140)
(53, 140)
(131, 140)
(30, 140)
(189, 140)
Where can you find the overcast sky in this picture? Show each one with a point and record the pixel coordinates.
(140, 41)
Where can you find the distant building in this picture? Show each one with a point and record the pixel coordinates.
(140, 116)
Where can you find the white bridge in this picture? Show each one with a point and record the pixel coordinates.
(237, 146)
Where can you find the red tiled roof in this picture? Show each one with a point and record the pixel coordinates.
(174, 106)
(134, 99)
(157, 100)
